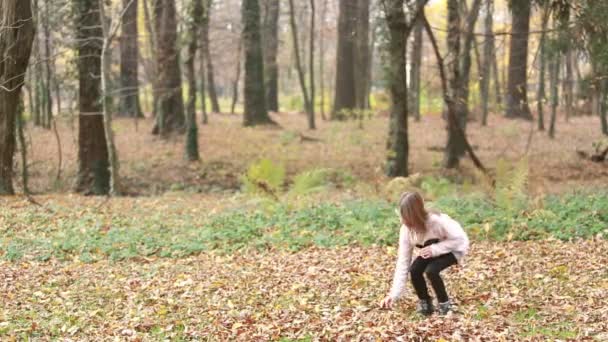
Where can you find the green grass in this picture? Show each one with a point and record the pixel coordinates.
(89, 234)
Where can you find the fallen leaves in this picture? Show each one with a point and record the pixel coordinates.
(508, 291)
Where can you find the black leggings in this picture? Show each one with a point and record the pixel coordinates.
(432, 267)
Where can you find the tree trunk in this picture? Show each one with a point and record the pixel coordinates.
(362, 55)
(254, 92)
(322, 59)
(108, 36)
(129, 57)
(415, 63)
(455, 144)
(270, 38)
(311, 65)
(48, 103)
(93, 165)
(569, 83)
(553, 83)
(397, 145)
(540, 96)
(465, 65)
(486, 67)
(153, 52)
(604, 105)
(215, 105)
(170, 117)
(345, 91)
(196, 18)
(202, 67)
(296, 47)
(237, 77)
(517, 98)
(16, 37)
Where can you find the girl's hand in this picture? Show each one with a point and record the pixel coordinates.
(426, 252)
(386, 303)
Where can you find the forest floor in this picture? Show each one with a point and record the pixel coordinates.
(547, 290)
(86, 268)
(152, 166)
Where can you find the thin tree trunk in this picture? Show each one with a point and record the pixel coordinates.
(237, 77)
(93, 164)
(152, 50)
(322, 59)
(553, 83)
(604, 106)
(48, 110)
(16, 37)
(299, 68)
(495, 72)
(215, 105)
(416, 62)
(311, 65)
(108, 36)
(484, 86)
(254, 92)
(202, 67)
(517, 98)
(466, 59)
(22, 146)
(540, 98)
(569, 89)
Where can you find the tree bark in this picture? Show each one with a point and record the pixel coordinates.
(553, 83)
(488, 46)
(322, 59)
(237, 77)
(195, 20)
(48, 72)
(415, 63)
(362, 55)
(455, 145)
(517, 98)
(345, 91)
(299, 68)
(270, 38)
(16, 37)
(129, 56)
(170, 117)
(93, 165)
(397, 145)
(254, 92)
(215, 105)
(541, 96)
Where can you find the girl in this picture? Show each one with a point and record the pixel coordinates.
(441, 243)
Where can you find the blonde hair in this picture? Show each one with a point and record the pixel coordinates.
(412, 211)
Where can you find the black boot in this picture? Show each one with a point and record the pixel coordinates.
(445, 308)
(425, 307)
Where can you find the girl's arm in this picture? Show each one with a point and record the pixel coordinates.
(404, 260)
(455, 237)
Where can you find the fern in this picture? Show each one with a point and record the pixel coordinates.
(310, 181)
(264, 177)
(511, 185)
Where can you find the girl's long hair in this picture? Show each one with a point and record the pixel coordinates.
(411, 209)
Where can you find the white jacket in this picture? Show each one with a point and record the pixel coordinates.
(438, 226)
